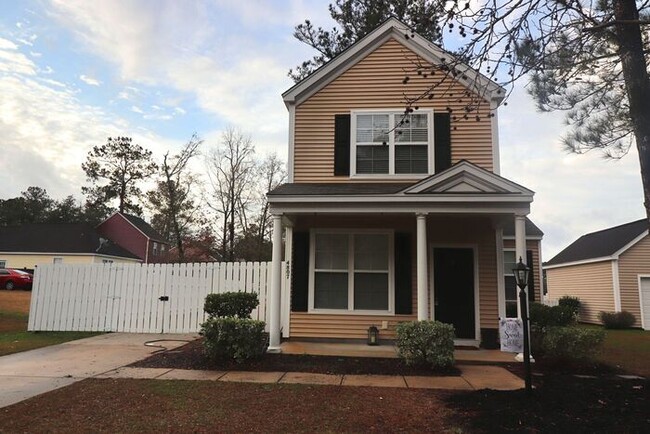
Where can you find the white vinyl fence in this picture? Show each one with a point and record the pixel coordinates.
(143, 298)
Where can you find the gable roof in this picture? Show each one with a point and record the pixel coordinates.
(58, 238)
(604, 244)
(391, 28)
(144, 227)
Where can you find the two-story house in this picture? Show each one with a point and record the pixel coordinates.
(388, 219)
(135, 235)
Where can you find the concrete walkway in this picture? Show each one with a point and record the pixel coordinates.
(30, 373)
(473, 377)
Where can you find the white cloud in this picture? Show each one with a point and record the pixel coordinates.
(13, 61)
(6, 44)
(179, 110)
(90, 81)
(136, 109)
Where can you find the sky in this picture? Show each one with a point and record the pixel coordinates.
(74, 72)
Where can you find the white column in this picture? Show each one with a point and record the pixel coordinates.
(276, 281)
(520, 250)
(422, 284)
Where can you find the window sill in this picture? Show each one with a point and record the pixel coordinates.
(387, 177)
(350, 312)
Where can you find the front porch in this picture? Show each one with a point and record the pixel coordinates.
(386, 351)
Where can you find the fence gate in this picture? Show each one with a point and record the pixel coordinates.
(143, 298)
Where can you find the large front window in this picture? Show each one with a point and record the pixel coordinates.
(351, 271)
(390, 143)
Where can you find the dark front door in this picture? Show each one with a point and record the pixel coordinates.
(453, 286)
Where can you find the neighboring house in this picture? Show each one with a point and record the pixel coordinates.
(385, 224)
(608, 270)
(136, 236)
(27, 246)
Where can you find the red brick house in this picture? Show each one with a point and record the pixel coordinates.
(135, 235)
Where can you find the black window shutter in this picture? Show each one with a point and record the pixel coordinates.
(403, 274)
(342, 145)
(531, 275)
(300, 268)
(442, 140)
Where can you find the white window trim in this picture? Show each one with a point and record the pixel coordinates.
(510, 274)
(391, 145)
(351, 310)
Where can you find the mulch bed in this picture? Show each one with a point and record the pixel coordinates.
(190, 356)
(560, 403)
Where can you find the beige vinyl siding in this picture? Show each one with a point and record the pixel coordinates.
(634, 261)
(375, 82)
(591, 283)
(442, 232)
(27, 260)
(535, 247)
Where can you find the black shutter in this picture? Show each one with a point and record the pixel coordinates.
(300, 268)
(403, 274)
(531, 275)
(442, 140)
(342, 145)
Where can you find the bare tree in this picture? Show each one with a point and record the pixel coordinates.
(173, 201)
(272, 173)
(588, 58)
(231, 171)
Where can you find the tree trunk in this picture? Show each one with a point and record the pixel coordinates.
(637, 85)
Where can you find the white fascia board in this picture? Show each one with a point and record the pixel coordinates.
(616, 286)
(394, 28)
(402, 199)
(292, 135)
(584, 261)
(528, 237)
(630, 244)
(383, 208)
(471, 169)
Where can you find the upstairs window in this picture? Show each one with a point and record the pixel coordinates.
(389, 143)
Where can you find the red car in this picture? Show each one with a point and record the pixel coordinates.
(14, 279)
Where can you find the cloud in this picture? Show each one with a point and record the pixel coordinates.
(136, 109)
(90, 81)
(13, 61)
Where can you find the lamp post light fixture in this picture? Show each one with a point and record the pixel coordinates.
(521, 272)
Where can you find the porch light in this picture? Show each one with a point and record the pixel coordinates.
(373, 335)
(521, 277)
(521, 274)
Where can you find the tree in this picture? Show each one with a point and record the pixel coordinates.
(172, 200)
(231, 172)
(588, 58)
(357, 18)
(115, 170)
(272, 173)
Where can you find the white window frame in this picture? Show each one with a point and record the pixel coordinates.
(391, 144)
(509, 274)
(350, 270)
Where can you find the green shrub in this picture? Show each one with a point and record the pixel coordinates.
(543, 316)
(234, 338)
(231, 304)
(617, 320)
(426, 343)
(566, 344)
(571, 302)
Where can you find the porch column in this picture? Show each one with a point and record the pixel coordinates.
(275, 290)
(520, 242)
(422, 284)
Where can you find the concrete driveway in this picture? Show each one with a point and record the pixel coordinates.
(30, 373)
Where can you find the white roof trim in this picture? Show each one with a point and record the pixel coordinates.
(581, 262)
(466, 172)
(391, 28)
(102, 255)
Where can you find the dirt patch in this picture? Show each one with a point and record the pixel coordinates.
(191, 356)
(560, 403)
(193, 406)
(15, 301)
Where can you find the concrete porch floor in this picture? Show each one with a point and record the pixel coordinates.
(388, 351)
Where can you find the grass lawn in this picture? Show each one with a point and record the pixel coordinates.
(14, 337)
(627, 349)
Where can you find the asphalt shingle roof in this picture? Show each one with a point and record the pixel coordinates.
(601, 243)
(531, 229)
(145, 228)
(58, 238)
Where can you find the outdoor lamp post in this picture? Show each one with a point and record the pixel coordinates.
(521, 277)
